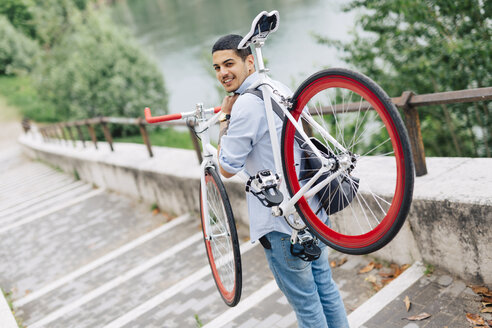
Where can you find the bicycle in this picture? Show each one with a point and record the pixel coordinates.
(339, 127)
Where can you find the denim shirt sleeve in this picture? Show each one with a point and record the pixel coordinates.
(245, 129)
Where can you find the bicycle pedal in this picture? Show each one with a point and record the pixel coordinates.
(307, 248)
(312, 251)
(308, 251)
(264, 186)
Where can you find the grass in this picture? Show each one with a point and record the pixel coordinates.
(167, 137)
(20, 93)
(76, 175)
(154, 207)
(429, 269)
(199, 322)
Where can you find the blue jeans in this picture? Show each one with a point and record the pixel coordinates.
(308, 286)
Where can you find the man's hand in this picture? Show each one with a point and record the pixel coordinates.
(227, 103)
(226, 109)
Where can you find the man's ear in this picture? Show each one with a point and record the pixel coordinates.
(250, 60)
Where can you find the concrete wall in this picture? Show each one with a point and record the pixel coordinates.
(449, 225)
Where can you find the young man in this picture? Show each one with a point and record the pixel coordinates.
(244, 143)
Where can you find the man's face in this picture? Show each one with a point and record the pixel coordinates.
(230, 69)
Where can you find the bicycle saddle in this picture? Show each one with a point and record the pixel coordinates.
(263, 24)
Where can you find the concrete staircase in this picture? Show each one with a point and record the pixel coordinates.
(74, 255)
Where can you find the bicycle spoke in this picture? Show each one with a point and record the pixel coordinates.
(378, 146)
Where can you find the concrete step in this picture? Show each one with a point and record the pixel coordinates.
(47, 200)
(96, 276)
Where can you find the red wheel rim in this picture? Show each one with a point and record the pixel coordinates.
(348, 241)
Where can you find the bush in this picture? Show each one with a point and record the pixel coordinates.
(96, 70)
(17, 52)
(20, 14)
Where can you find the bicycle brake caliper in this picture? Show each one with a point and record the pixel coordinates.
(264, 185)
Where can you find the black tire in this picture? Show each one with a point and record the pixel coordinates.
(222, 241)
(384, 208)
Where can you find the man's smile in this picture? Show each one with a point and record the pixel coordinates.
(227, 80)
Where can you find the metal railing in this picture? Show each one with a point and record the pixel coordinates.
(72, 131)
(408, 102)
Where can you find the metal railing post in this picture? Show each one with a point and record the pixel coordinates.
(92, 133)
(69, 129)
(107, 133)
(79, 132)
(412, 123)
(58, 133)
(307, 128)
(61, 128)
(145, 136)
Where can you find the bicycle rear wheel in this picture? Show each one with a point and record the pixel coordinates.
(220, 237)
(369, 134)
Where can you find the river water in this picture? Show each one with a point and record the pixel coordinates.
(179, 34)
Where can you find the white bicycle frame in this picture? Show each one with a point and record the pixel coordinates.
(265, 84)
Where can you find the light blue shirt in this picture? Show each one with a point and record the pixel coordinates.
(247, 146)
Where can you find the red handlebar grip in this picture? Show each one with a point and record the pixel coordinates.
(217, 109)
(163, 118)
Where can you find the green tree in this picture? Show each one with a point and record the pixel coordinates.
(96, 69)
(429, 46)
(17, 51)
(20, 14)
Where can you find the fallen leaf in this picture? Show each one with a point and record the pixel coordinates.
(342, 261)
(487, 299)
(489, 322)
(487, 310)
(386, 281)
(374, 281)
(386, 274)
(155, 211)
(419, 317)
(378, 265)
(367, 268)
(479, 289)
(397, 270)
(338, 263)
(475, 319)
(407, 303)
(404, 267)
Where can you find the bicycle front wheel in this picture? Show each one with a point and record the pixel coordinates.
(362, 135)
(220, 236)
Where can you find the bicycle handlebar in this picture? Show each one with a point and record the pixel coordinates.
(170, 117)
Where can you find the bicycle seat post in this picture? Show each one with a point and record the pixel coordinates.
(259, 57)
